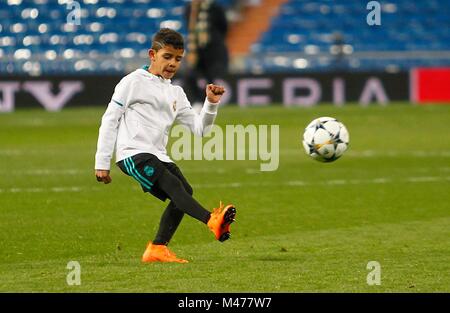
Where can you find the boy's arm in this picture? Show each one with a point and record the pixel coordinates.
(107, 137)
(108, 133)
(198, 123)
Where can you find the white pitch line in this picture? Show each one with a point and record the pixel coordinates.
(252, 171)
(53, 172)
(219, 170)
(380, 180)
(51, 189)
(11, 152)
(423, 179)
(378, 153)
(291, 183)
(46, 172)
(336, 182)
(297, 151)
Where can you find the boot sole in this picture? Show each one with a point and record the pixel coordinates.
(228, 218)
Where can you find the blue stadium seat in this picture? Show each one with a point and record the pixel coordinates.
(302, 27)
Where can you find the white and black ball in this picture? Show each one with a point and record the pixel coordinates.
(325, 139)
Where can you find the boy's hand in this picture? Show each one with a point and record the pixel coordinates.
(214, 93)
(103, 176)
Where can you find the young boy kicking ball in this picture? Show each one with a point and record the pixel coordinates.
(137, 122)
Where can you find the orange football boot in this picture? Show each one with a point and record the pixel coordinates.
(220, 220)
(160, 253)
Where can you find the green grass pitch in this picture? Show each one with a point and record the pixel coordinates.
(307, 227)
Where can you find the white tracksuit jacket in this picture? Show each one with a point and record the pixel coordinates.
(139, 117)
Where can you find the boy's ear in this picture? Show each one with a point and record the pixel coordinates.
(152, 54)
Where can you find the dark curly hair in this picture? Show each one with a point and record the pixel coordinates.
(167, 36)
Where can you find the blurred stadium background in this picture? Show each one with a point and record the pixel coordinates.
(266, 37)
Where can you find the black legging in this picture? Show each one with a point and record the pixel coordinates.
(181, 202)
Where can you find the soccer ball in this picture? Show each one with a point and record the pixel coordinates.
(325, 139)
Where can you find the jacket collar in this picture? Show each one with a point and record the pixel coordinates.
(159, 78)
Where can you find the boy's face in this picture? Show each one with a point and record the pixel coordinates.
(166, 61)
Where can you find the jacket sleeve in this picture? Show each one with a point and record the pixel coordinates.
(107, 135)
(197, 123)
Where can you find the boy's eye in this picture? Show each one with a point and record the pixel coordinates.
(168, 57)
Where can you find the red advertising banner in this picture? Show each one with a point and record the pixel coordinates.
(430, 85)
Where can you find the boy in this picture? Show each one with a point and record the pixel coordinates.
(137, 122)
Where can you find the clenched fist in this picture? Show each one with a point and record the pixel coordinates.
(103, 176)
(214, 92)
